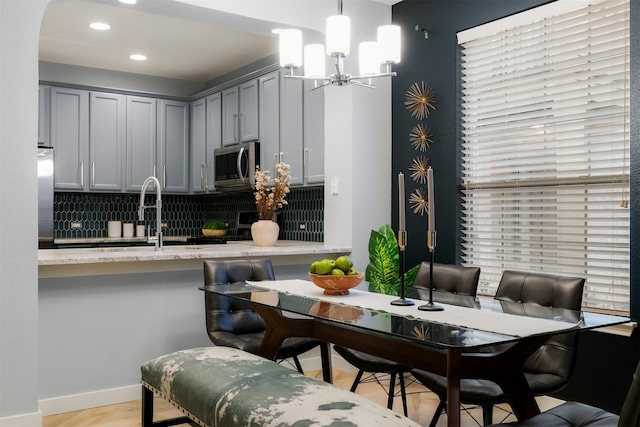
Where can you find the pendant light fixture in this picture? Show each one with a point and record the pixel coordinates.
(373, 56)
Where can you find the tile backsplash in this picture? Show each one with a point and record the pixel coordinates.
(79, 215)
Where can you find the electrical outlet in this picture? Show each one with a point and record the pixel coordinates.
(76, 225)
(165, 225)
(303, 226)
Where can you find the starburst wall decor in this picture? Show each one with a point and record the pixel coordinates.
(419, 169)
(418, 201)
(420, 137)
(420, 99)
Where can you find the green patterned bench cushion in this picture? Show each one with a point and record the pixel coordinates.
(223, 387)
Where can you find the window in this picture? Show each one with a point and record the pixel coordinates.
(545, 137)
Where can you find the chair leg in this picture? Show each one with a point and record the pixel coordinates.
(392, 386)
(441, 407)
(298, 365)
(357, 380)
(403, 394)
(487, 414)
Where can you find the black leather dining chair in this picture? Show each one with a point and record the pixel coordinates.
(450, 281)
(548, 369)
(571, 414)
(233, 323)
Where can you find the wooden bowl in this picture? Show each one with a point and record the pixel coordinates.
(215, 233)
(336, 311)
(336, 285)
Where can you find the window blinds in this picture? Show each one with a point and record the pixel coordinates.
(545, 158)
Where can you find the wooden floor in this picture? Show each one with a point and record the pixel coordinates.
(421, 406)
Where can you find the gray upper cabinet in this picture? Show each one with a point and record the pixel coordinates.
(69, 137)
(206, 136)
(281, 128)
(107, 124)
(240, 113)
(44, 118)
(198, 150)
(214, 136)
(313, 134)
(173, 146)
(141, 141)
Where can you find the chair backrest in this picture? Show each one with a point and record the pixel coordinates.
(450, 278)
(557, 356)
(630, 413)
(231, 315)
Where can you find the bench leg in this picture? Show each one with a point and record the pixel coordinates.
(147, 413)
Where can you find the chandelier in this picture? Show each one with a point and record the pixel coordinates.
(375, 58)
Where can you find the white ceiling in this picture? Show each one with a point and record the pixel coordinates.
(180, 41)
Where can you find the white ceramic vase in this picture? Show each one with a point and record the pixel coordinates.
(265, 232)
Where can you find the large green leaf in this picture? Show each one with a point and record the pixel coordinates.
(382, 273)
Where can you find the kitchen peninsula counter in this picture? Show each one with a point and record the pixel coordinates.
(136, 259)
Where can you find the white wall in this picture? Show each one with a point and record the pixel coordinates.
(19, 29)
(19, 335)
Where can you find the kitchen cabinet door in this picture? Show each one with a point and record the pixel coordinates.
(269, 122)
(44, 116)
(69, 137)
(214, 137)
(291, 126)
(313, 134)
(140, 141)
(107, 123)
(281, 124)
(198, 148)
(173, 146)
(248, 111)
(230, 111)
(240, 113)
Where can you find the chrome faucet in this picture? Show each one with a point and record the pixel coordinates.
(158, 237)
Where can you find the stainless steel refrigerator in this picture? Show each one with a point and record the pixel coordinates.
(45, 198)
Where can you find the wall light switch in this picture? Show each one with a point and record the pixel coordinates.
(334, 185)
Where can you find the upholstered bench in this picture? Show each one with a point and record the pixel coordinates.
(224, 387)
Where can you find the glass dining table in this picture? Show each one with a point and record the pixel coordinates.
(471, 338)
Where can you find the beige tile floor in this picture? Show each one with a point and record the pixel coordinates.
(421, 405)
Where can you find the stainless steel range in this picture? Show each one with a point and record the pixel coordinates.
(243, 231)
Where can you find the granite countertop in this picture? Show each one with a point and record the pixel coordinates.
(236, 249)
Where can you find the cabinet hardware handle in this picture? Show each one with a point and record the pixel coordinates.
(240, 127)
(305, 165)
(206, 177)
(82, 174)
(164, 177)
(93, 174)
(235, 127)
(239, 163)
(201, 176)
(281, 157)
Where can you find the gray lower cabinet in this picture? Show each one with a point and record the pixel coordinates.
(281, 126)
(107, 124)
(240, 113)
(313, 134)
(173, 146)
(206, 136)
(69, 137)
(141, 144)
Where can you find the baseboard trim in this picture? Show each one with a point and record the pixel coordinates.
(78, 402)
(24, 420)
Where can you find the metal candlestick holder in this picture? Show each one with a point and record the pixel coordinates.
(402, 243)
(431, 244)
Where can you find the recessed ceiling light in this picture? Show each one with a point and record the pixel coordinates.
(138, 57)
(128, 1)
(100, 26)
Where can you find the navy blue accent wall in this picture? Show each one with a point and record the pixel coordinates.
(605, 362)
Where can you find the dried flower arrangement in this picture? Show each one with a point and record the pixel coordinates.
(269, 200)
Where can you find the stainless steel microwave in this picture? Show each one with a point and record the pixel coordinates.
(235, 166)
